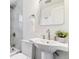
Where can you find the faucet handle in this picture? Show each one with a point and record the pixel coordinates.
(43, 36)
(48, 30)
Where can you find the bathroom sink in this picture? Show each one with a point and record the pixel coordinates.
(49, 45)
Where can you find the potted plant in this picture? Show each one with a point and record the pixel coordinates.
(61, 36)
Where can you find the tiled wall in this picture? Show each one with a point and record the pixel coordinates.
(15, 25)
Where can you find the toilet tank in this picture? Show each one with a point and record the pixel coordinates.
(28, 49)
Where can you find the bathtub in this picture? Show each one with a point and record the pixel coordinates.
(14, 51)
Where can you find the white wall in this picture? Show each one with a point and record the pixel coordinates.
(42, 29)
(31, 7)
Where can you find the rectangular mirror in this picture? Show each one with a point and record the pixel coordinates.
(52, 12)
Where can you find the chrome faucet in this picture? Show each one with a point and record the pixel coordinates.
(48, 32)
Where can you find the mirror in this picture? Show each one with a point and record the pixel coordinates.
(52, 12)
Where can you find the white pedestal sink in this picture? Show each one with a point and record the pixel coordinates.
(48, 47)
(46, 55)
(45, 49)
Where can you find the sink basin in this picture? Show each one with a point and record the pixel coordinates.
(48, 47)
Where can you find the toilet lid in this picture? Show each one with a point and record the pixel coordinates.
(19, 56)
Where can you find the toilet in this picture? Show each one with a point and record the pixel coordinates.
(19, 56)
(28, 51)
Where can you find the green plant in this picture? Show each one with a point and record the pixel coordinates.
(61, 34)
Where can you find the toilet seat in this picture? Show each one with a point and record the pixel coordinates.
(19, 56)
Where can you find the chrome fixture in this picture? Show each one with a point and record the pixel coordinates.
(43, 36)
(48, 32)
